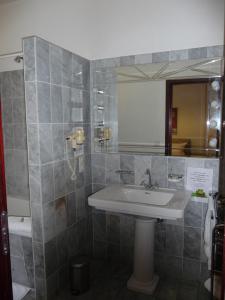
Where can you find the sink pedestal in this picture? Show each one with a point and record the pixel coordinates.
(143, 278)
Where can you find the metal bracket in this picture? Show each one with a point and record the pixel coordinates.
(4, 232)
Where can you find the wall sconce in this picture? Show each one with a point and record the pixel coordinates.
(77, 138)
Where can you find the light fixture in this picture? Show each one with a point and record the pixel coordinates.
(213, 142)
(215, 104)
(215, 85)
(212, 124)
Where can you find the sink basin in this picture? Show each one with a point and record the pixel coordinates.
(160, 203)
(148, 197)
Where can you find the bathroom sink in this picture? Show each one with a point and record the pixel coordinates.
(147, 205)
(158, 203)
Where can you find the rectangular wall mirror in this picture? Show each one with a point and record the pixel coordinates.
(170, 108)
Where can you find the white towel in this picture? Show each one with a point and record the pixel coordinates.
(210, 221)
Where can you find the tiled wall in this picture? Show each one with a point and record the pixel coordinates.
(15, 137)
(21, 260)
(57, 102)
(178, 244)
(57, 96)
(174, 55)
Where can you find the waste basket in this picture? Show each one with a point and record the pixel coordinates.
(79, 275)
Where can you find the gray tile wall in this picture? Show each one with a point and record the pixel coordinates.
(57, 96)
(178, 244)
(57, 102)
(174, 55)
(22, 260)
(15, 134)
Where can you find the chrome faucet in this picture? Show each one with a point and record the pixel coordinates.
(149, 185)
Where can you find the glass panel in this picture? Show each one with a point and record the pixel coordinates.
(15, 135)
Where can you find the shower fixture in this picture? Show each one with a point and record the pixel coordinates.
(18, 58)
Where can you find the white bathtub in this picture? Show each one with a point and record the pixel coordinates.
(18, 207)
(20, 226)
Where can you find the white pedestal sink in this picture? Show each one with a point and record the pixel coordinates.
(147, 205)
(143, 278)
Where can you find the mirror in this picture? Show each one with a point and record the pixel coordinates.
(170, 108)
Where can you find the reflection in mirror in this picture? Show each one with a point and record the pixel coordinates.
(131, 102)
(193, 117)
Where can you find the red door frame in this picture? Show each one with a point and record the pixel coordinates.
(5, 267)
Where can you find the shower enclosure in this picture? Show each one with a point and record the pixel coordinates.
(46, 100)
(15, 183)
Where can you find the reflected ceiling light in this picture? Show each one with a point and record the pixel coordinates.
(212, 124)
(213, 142)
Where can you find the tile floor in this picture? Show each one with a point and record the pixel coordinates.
(109, 283)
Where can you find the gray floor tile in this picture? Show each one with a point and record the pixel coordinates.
(108, 282)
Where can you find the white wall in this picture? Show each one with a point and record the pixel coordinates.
(9, 64)
(65, 22)
(144, 26)
(141, 106)
(109, 28)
